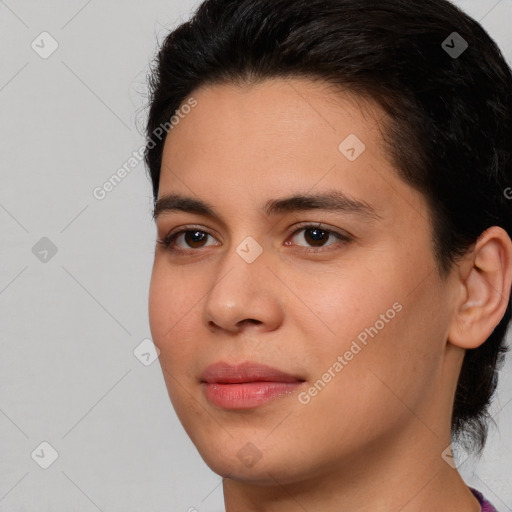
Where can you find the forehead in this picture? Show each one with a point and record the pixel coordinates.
(275, 109)
(264, 140)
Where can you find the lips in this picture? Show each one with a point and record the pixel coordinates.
(246, 385)
(224, 373)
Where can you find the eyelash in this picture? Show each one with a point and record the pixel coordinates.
(168, 242)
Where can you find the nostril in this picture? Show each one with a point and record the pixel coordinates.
(248, 320)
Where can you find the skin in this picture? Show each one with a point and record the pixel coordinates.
(372, 438)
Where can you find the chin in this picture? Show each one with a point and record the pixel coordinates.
(248, 464)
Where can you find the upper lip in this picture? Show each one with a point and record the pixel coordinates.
(248, 371)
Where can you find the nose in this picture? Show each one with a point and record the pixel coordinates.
(245, 296)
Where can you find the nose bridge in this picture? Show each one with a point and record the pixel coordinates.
(241, 268)
(241, 290)
(246, 253)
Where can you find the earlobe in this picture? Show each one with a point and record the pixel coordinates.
(485, 289)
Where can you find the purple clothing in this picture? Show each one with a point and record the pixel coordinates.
(486, 506)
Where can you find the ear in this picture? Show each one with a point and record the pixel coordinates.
(485, 279)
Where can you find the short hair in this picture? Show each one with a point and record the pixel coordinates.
(447, 123)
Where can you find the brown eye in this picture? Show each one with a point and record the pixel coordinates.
(315, 236)
(185, 240)
(195, 239)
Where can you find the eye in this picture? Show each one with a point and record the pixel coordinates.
(317, 236)
(193, 239)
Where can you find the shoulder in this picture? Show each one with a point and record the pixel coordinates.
(486, 505)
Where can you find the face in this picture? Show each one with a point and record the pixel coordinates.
(343, 296)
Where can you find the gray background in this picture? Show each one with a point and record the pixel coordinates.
(70, 323)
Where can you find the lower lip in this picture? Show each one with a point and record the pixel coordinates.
(247, 394)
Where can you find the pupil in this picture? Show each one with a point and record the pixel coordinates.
(317, 239)
(192, 237)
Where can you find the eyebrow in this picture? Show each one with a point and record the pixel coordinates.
(334, 201)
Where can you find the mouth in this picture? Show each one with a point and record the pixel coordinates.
(246, 385)
(225, 373)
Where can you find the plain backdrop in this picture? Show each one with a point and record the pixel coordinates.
(75, 271)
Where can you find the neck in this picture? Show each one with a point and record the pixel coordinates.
(407, 475)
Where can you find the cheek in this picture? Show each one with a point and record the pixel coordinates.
(375, 321)
(342, 303)
(173, 317)
(171, 305)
